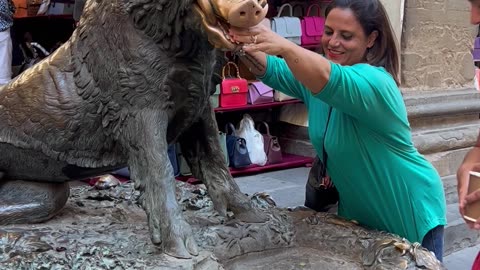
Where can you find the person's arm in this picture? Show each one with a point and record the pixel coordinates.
(310, 68)
(256, 62)
(274, 72)
(471, 162)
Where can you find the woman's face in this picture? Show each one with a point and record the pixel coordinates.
(343, 40)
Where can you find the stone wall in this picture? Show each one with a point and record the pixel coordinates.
(436, 43)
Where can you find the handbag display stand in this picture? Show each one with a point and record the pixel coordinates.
(288, 160)
(285, 21)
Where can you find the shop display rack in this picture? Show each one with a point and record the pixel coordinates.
(289, 160)
(257, 106)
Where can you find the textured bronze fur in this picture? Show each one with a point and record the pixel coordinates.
(134, 77)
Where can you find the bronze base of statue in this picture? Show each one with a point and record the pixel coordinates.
(107, 229)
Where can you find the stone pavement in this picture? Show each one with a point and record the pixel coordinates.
(287, 188)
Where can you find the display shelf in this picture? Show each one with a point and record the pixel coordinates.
(257, 106)
(289, 161)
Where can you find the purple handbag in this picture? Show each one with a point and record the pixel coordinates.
(476, 50)
(259, 93)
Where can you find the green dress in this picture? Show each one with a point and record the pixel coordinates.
(383, 181)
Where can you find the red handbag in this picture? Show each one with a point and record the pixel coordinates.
(234, 90)
(312, 27)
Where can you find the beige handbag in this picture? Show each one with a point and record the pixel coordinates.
(279, 96)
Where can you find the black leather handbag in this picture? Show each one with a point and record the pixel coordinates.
(236, 148)
(319, 196)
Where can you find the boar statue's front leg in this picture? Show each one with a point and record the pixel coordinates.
(152, 173)
(201, 149)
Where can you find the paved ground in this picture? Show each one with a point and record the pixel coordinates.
(287, 188)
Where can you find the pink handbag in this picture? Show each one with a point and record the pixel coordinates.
(312, 27)
(233, 91)
(259, 93)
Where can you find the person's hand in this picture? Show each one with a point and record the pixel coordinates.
(260, 38)
(469, 199)
(326, 182)
(463, 175)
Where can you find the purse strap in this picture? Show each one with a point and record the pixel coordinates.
(324, 153)
(301, 10)
(310, 9)
(228, 65)
(281, 10)
(267, 128)
(230, 127)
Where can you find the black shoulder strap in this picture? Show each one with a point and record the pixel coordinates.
(324, 153)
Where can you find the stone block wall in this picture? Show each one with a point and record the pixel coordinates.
(436, 43)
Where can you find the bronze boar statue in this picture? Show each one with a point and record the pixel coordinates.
(134, 77)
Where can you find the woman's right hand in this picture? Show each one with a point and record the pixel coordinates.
(260, 38)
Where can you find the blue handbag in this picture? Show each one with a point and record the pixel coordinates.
(237, 149)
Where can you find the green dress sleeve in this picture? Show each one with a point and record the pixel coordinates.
(368, 94)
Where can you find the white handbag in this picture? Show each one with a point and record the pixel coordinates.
(254, 139)
(288, 27)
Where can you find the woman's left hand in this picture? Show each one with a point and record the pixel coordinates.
(261, 38)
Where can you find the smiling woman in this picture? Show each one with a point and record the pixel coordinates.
(366, 36)
(344, 41)
(383, 181)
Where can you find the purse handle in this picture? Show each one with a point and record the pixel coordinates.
(263, 123)
(310, 9)
(281, 10)
(228, 127)
(228, 65)
(301, 9)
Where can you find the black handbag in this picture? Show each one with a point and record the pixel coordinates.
(318, 196)
(237, 149)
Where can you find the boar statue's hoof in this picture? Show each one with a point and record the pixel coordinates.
(31, 202)
(176, 241)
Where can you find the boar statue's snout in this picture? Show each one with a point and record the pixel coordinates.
(217, 16)
(247, 13)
